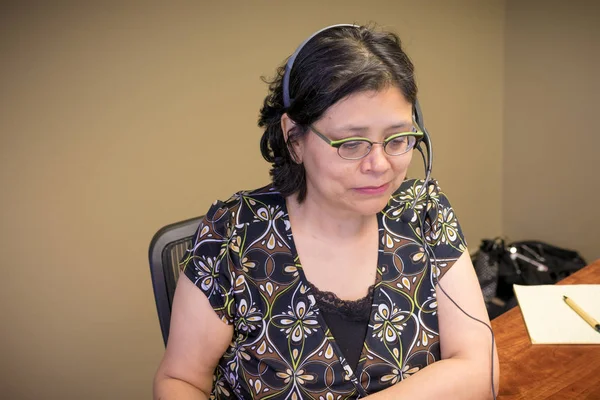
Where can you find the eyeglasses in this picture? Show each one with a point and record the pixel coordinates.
(355, 148)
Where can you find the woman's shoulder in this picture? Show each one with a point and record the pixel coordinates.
(412, 189)
(247, 206)
(440, 223)
(410, 185)
(412, 193)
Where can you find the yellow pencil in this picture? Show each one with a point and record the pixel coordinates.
(586, 317)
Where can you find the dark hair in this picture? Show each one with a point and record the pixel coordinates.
(334, 64)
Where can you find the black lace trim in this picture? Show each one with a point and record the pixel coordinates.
(352, 310)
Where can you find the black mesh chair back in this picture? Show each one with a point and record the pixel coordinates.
(167, 248)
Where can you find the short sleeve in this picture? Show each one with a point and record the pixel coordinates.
(443, 231)
(206, 262)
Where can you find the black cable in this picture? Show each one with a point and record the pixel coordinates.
(431, 253)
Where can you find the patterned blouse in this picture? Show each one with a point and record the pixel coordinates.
(244, 260)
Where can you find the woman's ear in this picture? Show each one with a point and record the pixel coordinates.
(294, 143)
(287, 124)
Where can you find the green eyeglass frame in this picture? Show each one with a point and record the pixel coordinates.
(417, 134)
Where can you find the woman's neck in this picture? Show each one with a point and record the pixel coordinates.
(319, 219)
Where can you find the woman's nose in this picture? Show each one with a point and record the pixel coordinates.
(377, 160)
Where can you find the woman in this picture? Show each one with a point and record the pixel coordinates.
(348, 305)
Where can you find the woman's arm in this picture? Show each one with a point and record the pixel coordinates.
(197, 340)
(466, 345)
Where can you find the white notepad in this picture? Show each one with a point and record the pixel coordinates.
(549, 320)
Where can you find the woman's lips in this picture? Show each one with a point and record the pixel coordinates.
(373, 190)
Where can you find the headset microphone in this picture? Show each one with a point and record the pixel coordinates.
(408, 215)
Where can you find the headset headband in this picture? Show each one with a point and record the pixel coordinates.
(290, 63)
(287, 101)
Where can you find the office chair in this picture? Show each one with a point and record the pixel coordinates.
(166, 251)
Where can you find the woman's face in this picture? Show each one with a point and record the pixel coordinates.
(361, 186)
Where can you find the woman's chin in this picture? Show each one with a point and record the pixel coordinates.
(371, 206)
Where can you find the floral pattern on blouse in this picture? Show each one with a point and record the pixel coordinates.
(244, 260)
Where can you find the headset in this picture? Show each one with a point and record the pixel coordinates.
(409, 213)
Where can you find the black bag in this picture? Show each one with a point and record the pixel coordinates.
(499, 265)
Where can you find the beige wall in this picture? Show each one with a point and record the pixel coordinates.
(552, 134)
(118, 119)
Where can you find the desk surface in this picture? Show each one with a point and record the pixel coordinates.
(546, 371)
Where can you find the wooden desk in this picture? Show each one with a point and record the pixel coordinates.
(546, 371)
